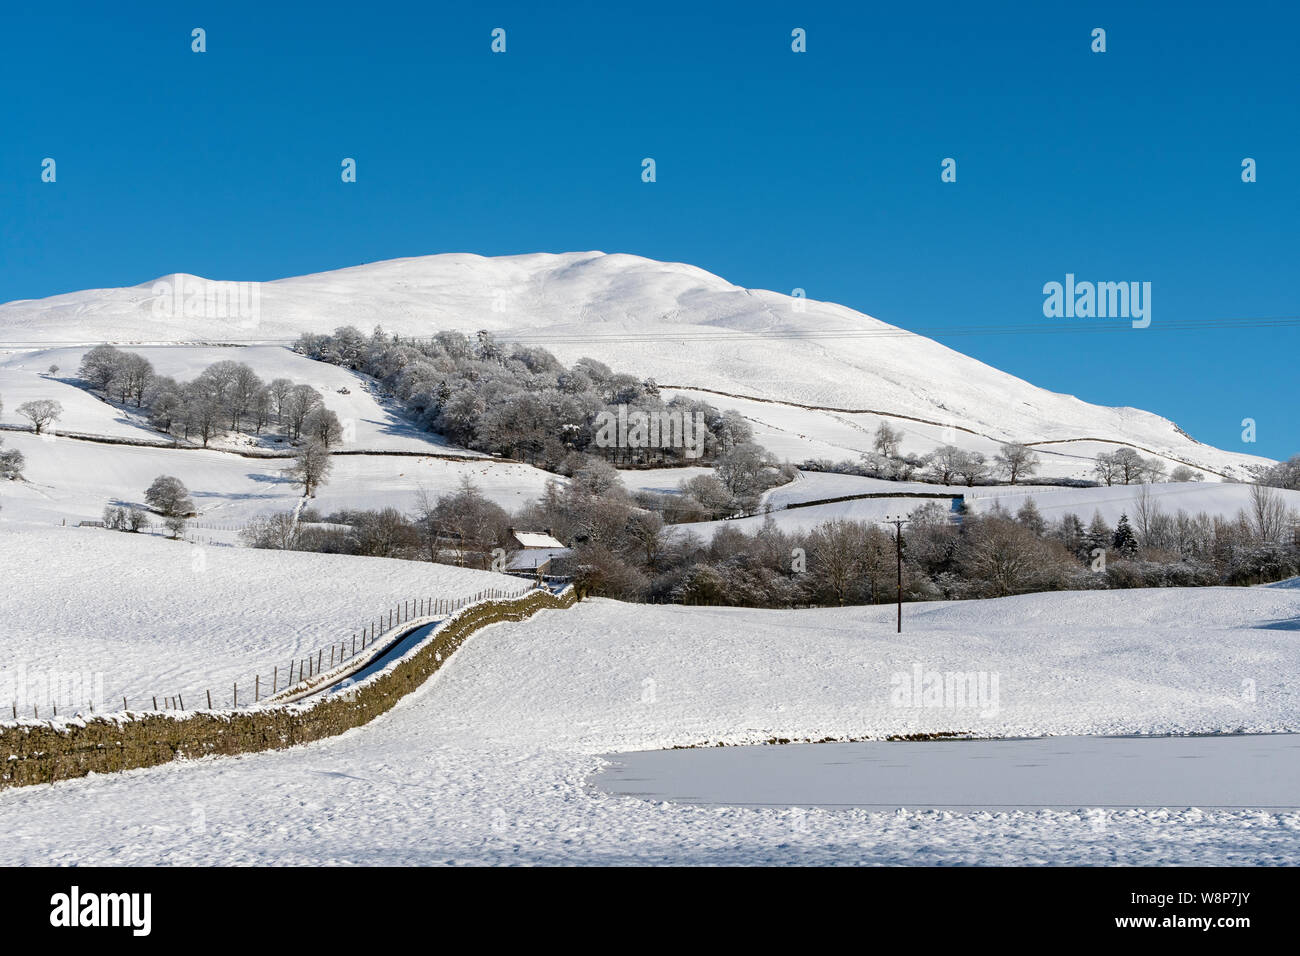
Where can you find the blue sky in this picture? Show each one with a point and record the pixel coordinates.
(775, 170)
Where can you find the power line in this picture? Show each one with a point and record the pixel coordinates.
(668, 333)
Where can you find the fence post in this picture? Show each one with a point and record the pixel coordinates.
(257, 687)
(275, 678)
(181, 700)
(155, 702)
(320, 659)
(124, 707)
(236, 695)
(209, 698)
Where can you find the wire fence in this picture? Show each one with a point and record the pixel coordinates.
(296, 673)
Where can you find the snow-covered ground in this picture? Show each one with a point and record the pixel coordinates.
(70, 480)
(797, 434)
(165, 617)
(673, 322)
(489, 762)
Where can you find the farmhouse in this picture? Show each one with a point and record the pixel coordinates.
(535, 550)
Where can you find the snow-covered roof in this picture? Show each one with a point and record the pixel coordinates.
(532, 539)
(534, 558)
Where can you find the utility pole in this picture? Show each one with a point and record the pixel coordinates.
(898, 548)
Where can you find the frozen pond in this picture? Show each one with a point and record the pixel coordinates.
(1231, 771)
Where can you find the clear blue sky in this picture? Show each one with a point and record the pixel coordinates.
(775, 170)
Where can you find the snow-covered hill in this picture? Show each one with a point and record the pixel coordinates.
(673, 322)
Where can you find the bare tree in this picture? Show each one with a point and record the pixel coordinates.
(973, 467)
(1267, 513)
(887, 440)
(1146, 512)
(946, 463)
(240, 392)
(1105, 467)
(311, 468)
(1129, 466)
(1016, 461)
(299, 403)
(100, 366)
(322, 425)
(279, 532)
(42, 412)
(279, 389)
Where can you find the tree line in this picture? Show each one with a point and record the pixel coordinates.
(623, 546)
(227, 396)
(516, 400)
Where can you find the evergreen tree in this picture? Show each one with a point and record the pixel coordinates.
(1032, 518)
(1124, 540)
(1098, 536)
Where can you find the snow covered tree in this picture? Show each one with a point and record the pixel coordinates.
(1032, 518)
(311, 468)
(169, 497)
(322, 425)
(742, 467)
(1099, 534)
(11, 464)
(1105, 467)
(1072, 534)
(279, 390)
(278, 532)
(100, 366)
(887, 440)
(1124, 540)
(1016, 461)
(1285, 474)
(1267, 513)
(297, 406)
(973, 467)
(1129, 466)
(42, 413)
(946, 462)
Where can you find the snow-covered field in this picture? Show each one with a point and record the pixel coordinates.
(165, 617)
(673, 322)
(798, 434)
(73, 481)
(489, 761)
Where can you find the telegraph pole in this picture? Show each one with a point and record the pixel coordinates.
(898, 548)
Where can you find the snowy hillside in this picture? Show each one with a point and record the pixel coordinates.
(489, 761)
(73, 480)
(675, 323)
(168, 617)
(367, 424)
